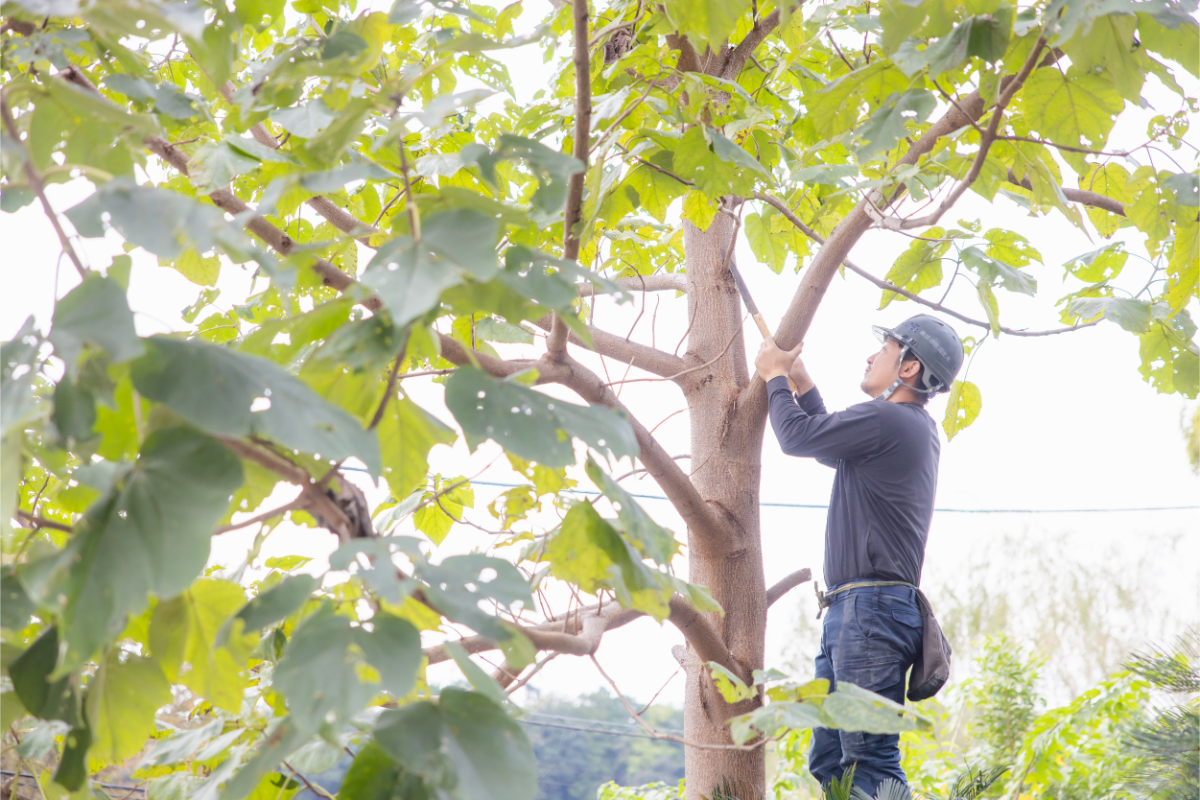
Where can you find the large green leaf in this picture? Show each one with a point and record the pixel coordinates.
(185, 629)
(589, 552)
(216, 389)
(709, 21)
(530, 424)
(651, 539)
(888, 125)
(277, 603)
(918, 268)
(464, 743)
(1099, 265)
(1170, 357)
(1131, 314)
(122, 700)
(41, 695)
(331, 669)
(94, 313)
(406, 434)
(151, 535)
(996, 271)
(1076, 109)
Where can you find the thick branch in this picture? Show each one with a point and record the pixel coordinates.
(799, 315)
(704, 639)
(676, 282)
(579, 633)
(985, 143)
(343, 221)
(556, 343)
(891, 287)
(642, 356)
(713, 532)
(787, 584)
(741, 54)
(1094, 199)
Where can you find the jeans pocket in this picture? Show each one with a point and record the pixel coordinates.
(908, 617)
(869, 670)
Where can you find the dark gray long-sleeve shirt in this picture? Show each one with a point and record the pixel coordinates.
(886, 457)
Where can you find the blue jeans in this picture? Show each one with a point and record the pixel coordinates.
(871, 637)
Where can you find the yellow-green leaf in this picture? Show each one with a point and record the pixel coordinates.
(963, 408)
(121, 703)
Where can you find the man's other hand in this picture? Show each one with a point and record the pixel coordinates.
(771, 362)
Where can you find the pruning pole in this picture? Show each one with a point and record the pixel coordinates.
(752, 308)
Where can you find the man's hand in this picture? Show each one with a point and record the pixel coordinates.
(771, 362)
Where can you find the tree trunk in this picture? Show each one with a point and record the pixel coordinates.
(726, 465)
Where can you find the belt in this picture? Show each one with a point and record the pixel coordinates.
(824, 600)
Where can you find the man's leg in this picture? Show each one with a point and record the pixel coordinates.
(825, 754)
(874, 653)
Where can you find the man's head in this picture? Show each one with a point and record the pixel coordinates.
(932, 357)
(882, 368)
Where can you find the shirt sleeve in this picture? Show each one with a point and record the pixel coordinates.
(804, 428)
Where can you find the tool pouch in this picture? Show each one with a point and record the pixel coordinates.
(931, 670)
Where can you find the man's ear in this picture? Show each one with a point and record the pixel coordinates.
(909, 369)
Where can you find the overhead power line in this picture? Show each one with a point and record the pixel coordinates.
(768, 504)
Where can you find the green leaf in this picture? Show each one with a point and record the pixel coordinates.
(413, 735)
(918, 268)
(1010, 247)
(709, 21)
(993, 270)
(17, 403)
(714, 175)
(651, 539)
(304, 121)
(732, 688)
(962, 408)
(655, 190)
(726, 150)
(188, 629)
(766, 246)
(15, 606)
(835, 108)
(216, 164)
(900, 20)
(1109, 44)
(41, 695)
(216, 388)
(491, 755)
(1072, 109)
(699, 210)
(1099, 265)
(122, 700)
(94, 313)
(1170, 357)
(330, 669)
(887, 126)
(196, 268)
(74, 410)
(407, 280)
(165, 98)
(480, 680)
(164, 222)
(1179, 44)
(987, 298)
(151, 535)
(851, 708)
(1186, 187)
(1132, 315)
(406, 435)
(589, 552)
(530, 424)
(373, 775)
(277, 603)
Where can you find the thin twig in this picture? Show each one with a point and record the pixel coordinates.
(266, 515)
(315, 788)
(657, 734)
(536, 669)
(391, 384)
(42, 522)
(724, 350)
(35, 183)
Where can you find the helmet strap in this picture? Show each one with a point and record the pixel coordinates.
(899, 382)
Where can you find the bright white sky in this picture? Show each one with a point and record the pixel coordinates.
(1067, 422)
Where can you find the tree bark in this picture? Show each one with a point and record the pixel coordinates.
(726, 459)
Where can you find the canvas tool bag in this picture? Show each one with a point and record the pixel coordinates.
(931, 670)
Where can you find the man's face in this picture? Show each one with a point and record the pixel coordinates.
(881, 368)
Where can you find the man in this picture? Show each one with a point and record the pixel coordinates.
(886, 455)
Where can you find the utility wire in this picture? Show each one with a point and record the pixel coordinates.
(768, 504)
(943, 510)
